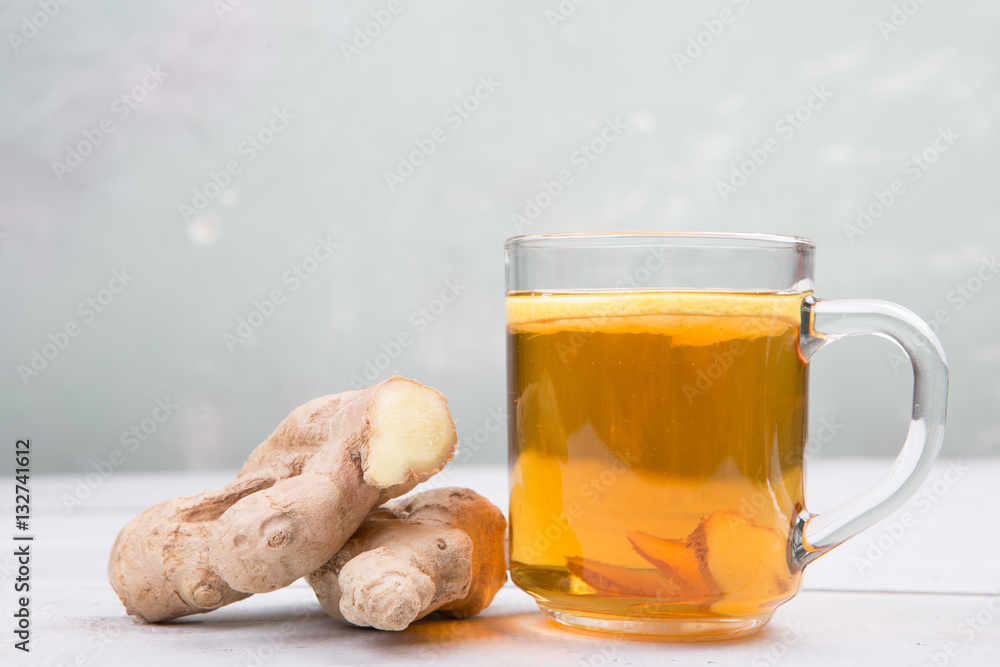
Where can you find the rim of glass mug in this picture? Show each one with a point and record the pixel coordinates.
(714, 239)
(660, 261)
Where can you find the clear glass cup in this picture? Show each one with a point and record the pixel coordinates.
(658, 396)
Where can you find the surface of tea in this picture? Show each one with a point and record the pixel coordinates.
(656, 458)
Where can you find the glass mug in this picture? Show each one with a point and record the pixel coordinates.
(657, 393)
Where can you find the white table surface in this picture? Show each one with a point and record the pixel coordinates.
(916, 603)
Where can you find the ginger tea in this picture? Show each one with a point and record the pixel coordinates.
(656, 451)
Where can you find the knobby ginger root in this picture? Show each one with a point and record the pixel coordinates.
(441, 550)
(296, 501)
(159, 564)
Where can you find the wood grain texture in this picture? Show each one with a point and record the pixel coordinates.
(920, 598)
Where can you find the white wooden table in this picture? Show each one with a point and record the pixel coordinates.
(927, 593)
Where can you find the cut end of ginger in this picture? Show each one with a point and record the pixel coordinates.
(745, 560)
(412, 432)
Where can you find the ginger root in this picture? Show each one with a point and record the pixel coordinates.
(729, 564)
(618, 580)
(295, 503)
(441, 550)
(677, 561)
(757, 571)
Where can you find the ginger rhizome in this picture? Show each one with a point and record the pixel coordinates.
(727, 564)
(757, 570)
(441, 550)
(297, 500)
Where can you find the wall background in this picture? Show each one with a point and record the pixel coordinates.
(63, 233)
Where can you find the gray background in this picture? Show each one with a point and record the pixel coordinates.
(163, 336)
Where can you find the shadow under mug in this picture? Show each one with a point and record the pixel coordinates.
(657, 390)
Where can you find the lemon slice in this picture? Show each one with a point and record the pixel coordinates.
(691, 318)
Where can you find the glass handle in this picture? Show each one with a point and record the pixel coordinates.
(826, 321)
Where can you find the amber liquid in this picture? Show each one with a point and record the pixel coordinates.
(646, 413)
